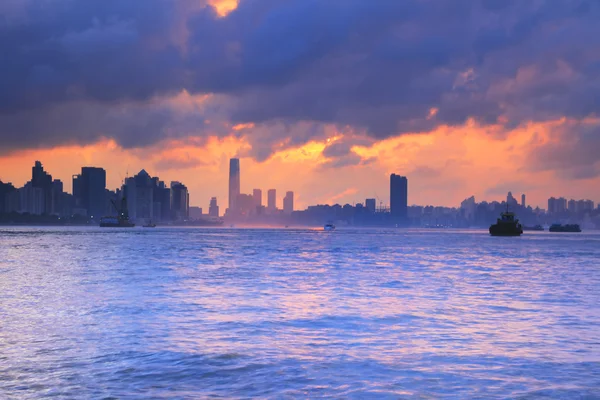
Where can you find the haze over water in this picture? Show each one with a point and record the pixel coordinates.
(238, 313)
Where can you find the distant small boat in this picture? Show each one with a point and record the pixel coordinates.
(565, 228)
(533, 228)
(150, 225)
(329, 227)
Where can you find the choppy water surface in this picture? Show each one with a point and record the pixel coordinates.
(238, 313)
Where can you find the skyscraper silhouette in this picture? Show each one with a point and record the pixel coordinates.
(288, 203)
(93, 182)
(234, 184)
(257, 195)
(399, 199)
(272, 200)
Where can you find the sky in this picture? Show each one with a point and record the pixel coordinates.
(324, 98)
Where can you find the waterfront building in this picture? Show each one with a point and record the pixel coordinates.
(399, 198)
(272, 200)
(213, 209)
(42, 180)
(257, 195)
(234, 184)
(179, 201)
(93, 191)
(288, 203)
(371, 205)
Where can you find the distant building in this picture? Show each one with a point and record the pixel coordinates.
(272, 200)
(12, 201)
(31, 199)
(371, 205)
(510, 200)
(572, 206)
(58, 206)
(523, 202)
(213, 209)
(468, 207)
(234, 184)
(557, 206)
(93, 191)
(42, 180)
(288, 203)
(162, 201)
(6, 189)
(195, 212)
(257, 195)
(244, 204)
(179, 201)
(140, 199)
(78, 192)
(399, 198)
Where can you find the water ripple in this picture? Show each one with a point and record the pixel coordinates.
(243, 313)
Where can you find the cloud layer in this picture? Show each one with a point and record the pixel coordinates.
(74, 72)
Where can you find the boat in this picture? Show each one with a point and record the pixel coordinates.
(115, 222)
(150, 224)
(122, 218)
(329, 227)
(565, 228)
(506, 225)
(533, 228)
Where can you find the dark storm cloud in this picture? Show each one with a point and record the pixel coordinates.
(378, 67)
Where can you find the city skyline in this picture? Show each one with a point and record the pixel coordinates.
(357, 198)
(89, 187)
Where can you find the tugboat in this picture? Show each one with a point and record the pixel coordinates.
(329, 227)
(565, 228)
(506, 225)
(122, 218)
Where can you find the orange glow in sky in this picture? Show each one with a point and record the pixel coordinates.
(443, 167)
(224, 7)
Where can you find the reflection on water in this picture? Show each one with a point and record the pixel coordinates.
(192, 313)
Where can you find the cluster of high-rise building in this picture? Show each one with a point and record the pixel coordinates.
(558, 206)
(40, 195)
(147, 198)
(250, 206)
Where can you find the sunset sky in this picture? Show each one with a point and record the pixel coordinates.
(325, 98)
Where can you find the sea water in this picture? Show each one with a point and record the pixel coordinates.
(197, 313)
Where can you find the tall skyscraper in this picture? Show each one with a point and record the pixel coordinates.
(179, 201)
(213, 209)
(77, 192)
(399, 198)
(510, 199)
(93, 186)
(58, 205)
(272, 200)
(288, 203)
(162, 201)
(234, 184)
(257, 195)
(42, 180)
(523, 202)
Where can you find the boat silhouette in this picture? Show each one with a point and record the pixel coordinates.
(506, 225)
